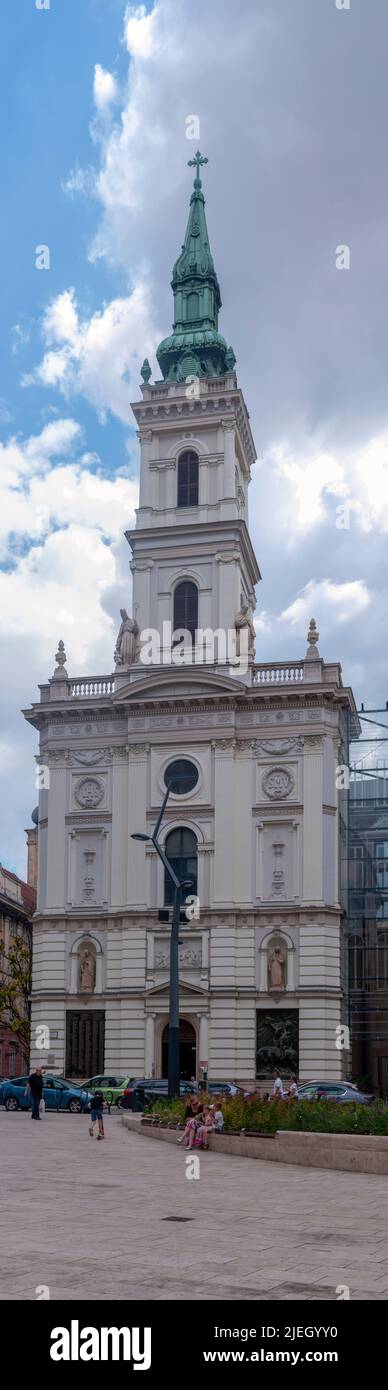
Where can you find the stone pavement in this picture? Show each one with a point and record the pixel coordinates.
(91, 1221)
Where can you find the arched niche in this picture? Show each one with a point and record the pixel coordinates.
(281, 941)
(84, 946)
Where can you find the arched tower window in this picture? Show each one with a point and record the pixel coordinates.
(188, 474)
(181, 851)
(186, 607)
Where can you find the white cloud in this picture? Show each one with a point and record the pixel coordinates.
(61, 536)
(139, 30)
(105, 90)
(330, 603)
(37, 494)
(60, 323)
(350, 489)
(309, 479)
(99, 357)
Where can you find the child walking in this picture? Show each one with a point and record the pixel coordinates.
(96, 1115)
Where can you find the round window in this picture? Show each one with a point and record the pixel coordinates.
(181, 776)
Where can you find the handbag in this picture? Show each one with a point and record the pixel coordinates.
(42, 1108)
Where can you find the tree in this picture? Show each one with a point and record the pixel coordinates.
(15, 989)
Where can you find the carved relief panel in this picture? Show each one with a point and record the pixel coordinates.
(87, 867)
(277, 877)
(190, 954)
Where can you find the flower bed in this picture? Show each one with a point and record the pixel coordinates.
(267, 1117)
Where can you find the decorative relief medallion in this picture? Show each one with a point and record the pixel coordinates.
(277, 746)
(89, 792)
(278, 783)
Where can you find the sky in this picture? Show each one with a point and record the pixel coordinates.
(95, 98)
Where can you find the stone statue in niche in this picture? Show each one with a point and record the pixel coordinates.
(243, 620)
(127, 648)
(276, 972)
(87, 973)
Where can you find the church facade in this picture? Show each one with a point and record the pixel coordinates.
(250, 752)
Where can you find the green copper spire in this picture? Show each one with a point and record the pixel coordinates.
(195, 348)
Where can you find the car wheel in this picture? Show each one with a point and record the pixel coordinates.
(11, 1103)
(119, 1103)
(75, 1107)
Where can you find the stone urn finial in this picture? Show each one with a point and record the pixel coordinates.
(145, 371)
(60, 658)
(312, 638)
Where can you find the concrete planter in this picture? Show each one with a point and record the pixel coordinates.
(358, 1153)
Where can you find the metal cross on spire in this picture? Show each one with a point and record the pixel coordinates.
(196, 163)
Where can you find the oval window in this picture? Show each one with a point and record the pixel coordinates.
(181, 776)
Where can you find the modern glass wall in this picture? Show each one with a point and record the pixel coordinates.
(364, 812)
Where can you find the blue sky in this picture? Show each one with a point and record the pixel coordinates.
(292, 101)
(47, 61)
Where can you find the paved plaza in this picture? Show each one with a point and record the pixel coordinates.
(93, 1221)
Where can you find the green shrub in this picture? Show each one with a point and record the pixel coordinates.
(266, 1117)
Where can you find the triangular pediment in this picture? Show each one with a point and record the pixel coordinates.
(177, 685)
(162, 991)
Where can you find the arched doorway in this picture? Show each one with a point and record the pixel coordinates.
(187, 1050)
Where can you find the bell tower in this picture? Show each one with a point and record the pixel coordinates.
(193, 562)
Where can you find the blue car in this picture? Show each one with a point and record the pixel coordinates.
(58, 1094)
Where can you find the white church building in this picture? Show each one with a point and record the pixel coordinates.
(250, 750)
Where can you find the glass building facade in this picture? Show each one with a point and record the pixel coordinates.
(364, 826)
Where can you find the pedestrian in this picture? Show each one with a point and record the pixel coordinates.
(35, 1082)
(97, 1116)
(278, 1089)
(193, 1125)
(204, 1129)
(219, 1122)
(188, 1115)
(293, 1092)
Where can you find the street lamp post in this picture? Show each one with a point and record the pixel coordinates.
(173, 1030)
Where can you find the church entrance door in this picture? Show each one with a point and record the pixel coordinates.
(85, 1041)
(187, 1050)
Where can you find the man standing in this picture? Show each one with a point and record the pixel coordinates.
(35, 1082)
(278, 1089)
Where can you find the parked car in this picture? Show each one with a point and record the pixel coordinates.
(341, 1091)
(225, 1088)
(58, 1094)
(112, 1087)
(141, 1091)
